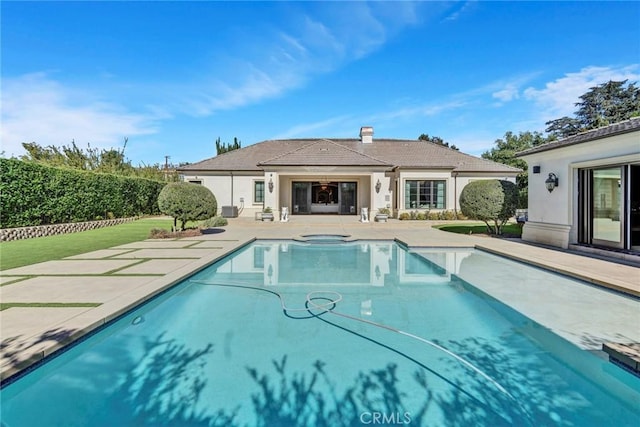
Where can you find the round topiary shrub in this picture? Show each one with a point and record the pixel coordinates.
(490, 200)
(185, 201)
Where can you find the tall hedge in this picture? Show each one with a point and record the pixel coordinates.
(34, 194)
(490, 200)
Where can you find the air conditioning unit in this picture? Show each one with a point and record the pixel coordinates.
(229, 211)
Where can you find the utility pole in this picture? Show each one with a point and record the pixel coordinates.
(166, 167)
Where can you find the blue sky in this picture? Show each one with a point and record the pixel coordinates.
(174, 76)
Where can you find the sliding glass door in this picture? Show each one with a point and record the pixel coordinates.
(301, 197)
(348, 201)
(608, 207)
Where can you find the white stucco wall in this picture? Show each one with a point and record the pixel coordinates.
(454, 184)
(553, 217)
(226, 195)
(367, 196)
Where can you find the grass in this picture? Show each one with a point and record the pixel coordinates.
(6, 305)
(510, 230)
(18, 253)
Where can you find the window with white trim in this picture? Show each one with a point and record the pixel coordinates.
(424, 194)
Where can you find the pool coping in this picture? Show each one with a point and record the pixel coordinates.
(92, 320)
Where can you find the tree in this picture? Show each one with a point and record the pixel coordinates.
(185, 201)
(222, 147)
(97, 160)
(436, 140)
(505, 152)
(489, 200)
(563, 127)
(602, 105)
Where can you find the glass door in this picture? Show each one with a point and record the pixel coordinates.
(608, 207)
(634, 206)
(347, 196)
(301, 197)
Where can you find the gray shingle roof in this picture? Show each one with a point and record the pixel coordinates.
(388, 153)
(324, 152)
(625, 126)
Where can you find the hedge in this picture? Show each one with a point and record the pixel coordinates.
(35, 194)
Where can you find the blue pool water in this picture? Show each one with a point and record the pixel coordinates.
(308, 334)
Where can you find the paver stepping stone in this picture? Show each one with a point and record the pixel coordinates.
(98, 266)
(72, 289)
(156, 266)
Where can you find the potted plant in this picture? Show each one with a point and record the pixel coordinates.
(267, 214)
(383, 214)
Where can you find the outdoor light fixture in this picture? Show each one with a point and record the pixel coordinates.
(378, 186)
(551, 182)
(270, 185)
(324, 184)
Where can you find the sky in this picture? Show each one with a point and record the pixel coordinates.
(172, 77)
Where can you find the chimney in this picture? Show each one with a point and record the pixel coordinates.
(366, 134)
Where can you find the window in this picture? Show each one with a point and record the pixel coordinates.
(258, 257)
(424, 194)
(258, 192)
(195, 181)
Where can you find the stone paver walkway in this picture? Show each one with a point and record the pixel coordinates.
(122, 277)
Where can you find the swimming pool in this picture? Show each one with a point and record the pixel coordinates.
(286, 333)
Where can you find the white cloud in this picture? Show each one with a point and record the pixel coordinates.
(558, 97)
(36, 108)
(324, 127)
(286, 58)
(508, 93)
(460, 10)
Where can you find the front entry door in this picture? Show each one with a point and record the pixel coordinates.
(301, 197)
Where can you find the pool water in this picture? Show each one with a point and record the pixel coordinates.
(303, 334)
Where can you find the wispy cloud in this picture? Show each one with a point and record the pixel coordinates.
(508, 93)
(284, 59)
(37, 108)
(461, 9)
(327, 127)
(558, 97)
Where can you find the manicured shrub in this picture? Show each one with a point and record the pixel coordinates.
(35, 194)
(185, 201)
(216, 221)
(491, 200)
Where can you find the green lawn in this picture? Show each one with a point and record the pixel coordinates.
(30, 251)
(6, 305)
(511, 230)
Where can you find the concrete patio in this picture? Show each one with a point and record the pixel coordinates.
(122, 277)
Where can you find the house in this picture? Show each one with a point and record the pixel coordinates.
(341, 176)
(585, 190)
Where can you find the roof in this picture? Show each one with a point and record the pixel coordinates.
(619, 128)
(386, 153)
(321, 153)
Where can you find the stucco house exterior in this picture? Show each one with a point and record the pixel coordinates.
(596, 202)
(341, 176)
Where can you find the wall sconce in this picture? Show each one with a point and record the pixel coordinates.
(378, 186)
(270, 185)
(551, 182)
